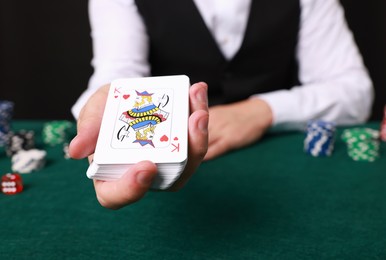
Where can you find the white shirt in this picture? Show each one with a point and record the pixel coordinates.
(335, 83)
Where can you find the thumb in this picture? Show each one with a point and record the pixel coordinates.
(131, 187)
(88, 127)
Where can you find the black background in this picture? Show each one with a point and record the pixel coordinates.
(45, 53)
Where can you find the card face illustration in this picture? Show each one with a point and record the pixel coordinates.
(144, 119)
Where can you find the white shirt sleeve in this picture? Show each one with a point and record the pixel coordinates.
(335, 84)
(120, 45)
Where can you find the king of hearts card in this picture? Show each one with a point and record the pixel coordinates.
(145, 119)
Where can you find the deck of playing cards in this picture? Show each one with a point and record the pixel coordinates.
(144, 119)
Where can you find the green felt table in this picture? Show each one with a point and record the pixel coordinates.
(266, 201)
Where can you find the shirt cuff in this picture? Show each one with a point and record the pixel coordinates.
(283, 107)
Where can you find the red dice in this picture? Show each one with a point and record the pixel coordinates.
(11, 183)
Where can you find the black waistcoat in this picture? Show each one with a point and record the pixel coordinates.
(180, 43)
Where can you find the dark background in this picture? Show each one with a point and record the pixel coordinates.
(45, 53)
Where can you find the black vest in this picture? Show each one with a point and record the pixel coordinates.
(180, 43)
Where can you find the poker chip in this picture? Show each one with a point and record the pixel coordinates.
(362, 143)
(359, 134)
(6, 113)
(56, 132)
(28, 161)
(320, 138)
(21, 140)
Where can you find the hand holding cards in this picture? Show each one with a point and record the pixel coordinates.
(144, 119)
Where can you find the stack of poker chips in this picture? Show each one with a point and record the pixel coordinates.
(362, 143)
(21, 140)
(320, 138)
(21, 147)
(56, 132)
(6, 113)
(28, 161)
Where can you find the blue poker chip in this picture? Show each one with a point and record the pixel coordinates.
(320, 138)
(319, 125)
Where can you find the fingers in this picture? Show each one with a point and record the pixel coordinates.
(197, 132)
(131, 187)
(225, 121)
(215, 149)
(89, 122)
(198, 94)
(198, 121)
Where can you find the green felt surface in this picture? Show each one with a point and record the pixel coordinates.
(267, 201)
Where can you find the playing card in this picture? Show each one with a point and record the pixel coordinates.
(144, 119)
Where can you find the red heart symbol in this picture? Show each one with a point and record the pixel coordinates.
(126, 96)
(175, 138)
(164, 138)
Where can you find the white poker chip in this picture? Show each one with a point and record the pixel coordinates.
(28, 161)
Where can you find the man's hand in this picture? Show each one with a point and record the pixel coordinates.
(134, 184)
(237, 125)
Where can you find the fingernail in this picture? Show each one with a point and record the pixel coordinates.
(144, 178)
(201, 96)
(203, 124)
